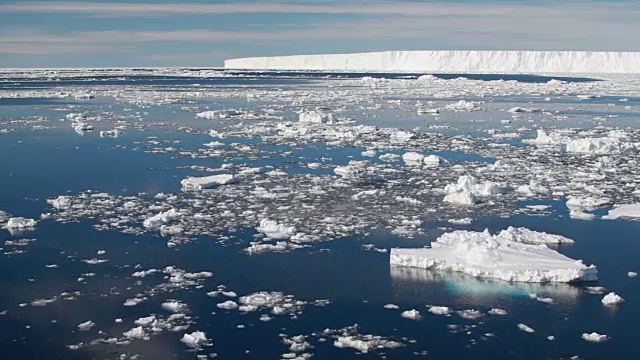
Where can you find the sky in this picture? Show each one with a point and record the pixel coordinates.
(204, 33)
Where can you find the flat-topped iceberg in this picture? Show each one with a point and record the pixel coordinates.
(452, 61)
(512, 255)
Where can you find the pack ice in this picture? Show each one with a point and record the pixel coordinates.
(512, 255)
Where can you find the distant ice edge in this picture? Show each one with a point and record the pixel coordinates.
(448, 61)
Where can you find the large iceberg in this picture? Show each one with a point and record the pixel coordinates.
(512, 255)
(506, 62)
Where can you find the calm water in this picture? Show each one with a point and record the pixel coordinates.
(41, 164)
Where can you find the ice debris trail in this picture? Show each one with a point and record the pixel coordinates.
(512, 255)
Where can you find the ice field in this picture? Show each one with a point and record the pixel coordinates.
(173, 213)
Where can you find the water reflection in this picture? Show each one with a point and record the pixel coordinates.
(429, 285)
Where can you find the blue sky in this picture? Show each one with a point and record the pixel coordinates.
(203, 33)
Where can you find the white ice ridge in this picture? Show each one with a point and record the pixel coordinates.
(512, 255)
(452, 62)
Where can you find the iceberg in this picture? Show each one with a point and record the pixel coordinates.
(452, 61)
(512, 255)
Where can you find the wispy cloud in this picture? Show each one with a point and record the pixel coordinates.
(383, 26)
(357, 7)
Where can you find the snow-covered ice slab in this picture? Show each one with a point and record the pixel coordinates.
(504, 62)
(205, 182)
(631, 211)
(509, 256)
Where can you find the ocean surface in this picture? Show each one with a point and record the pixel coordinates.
(44, 163)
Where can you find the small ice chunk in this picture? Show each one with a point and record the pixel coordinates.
(594, 337)
(275, 231)
(156, 221)
(612, 299)
(440, 310)
(205, 182)
(463, 105)
(174, 306)
(135, 333)
(315, 117)
(144, 321)
(525, 328)
(470, 314)
(20, 223)
(110, 133)
(195, 340)
(632, 274)
(228, 305)
(497, 312)
(517, 109)
(412, 314)
(86, 326)
(465, 198)
(391, 306)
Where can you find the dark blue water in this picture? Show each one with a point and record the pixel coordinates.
(41, 164)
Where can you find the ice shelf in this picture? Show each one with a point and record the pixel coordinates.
(452, 62)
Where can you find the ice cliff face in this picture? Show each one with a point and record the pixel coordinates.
(453, 62)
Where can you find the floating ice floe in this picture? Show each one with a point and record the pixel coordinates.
(594, 337)
(86, 326)
(196, 340)
(228, 305)
(156, 221)
(517, 110)
(110, 133)
(534, 188)
(412, 314)
(582, 145)
(612, 299)
(315, 117)
(440, 310)
(174, 306)
(464, 105)
(205, 182)
(81, 127)
(467, 190)
(631, 211)
(497, 312)
(502, 256)
(20, 223)
(525, 328)
(275, 231)
(364, 342)
(416, 159)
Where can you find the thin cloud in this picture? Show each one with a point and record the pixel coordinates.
(364, 8)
